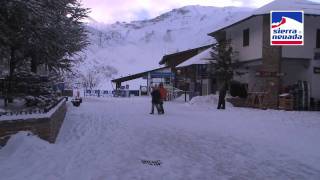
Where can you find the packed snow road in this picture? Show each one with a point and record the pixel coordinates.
(117, 139)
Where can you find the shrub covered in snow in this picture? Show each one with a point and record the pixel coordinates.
(41, 101)
(35, 90)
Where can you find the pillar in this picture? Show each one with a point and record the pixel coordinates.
(271, 63)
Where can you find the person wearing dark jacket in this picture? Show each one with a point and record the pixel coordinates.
(155, 94)
(222, 96)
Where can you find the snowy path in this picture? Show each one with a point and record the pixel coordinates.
(107, 139)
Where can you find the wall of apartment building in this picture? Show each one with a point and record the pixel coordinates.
(297, 62)
(235, 33)
(311, 24)
(301, 66)
(301, 70)
(247, 75)
(294, 70)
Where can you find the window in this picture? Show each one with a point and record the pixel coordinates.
(318, 39)
(246, 35)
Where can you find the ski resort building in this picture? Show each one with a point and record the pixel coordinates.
(153, 77)
(193, 70)
(182, 71)
(273, 69)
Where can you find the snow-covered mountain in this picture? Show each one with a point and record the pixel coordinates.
(124, 48)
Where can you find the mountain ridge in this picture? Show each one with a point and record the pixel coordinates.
(129, 48)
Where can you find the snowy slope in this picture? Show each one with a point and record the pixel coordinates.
(129, 48)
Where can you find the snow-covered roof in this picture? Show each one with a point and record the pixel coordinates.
(136, 76)
(309, 8)
(201, 58)
(182, 56)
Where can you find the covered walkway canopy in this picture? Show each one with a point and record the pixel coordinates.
(202, 58)
(134, 76)
(172, 60)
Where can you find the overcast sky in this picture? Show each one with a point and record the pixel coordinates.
(110, 11)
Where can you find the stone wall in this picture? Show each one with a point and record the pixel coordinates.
(46, 128)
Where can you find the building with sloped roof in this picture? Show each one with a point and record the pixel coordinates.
(272, 69)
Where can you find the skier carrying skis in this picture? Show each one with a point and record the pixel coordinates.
(155, 94)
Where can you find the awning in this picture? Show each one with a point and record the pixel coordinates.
(175, 59)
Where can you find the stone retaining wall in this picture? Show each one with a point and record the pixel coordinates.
(47, 128)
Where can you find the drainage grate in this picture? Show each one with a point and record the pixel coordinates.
(151, 163)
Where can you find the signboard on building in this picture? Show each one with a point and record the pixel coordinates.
(268, 74)
(144, 90)
(161, 74)
(287, 28)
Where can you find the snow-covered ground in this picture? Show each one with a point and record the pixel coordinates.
(107, 139)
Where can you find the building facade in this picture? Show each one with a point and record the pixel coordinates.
(272, 68)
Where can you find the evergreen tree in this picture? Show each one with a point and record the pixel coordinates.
(37, 33)
(48, 32)
(61, 36)
(222, 55)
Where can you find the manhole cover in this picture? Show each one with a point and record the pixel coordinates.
(151, 162)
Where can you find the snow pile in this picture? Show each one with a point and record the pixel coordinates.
(203, 100)
(19, 143)
(182, 98)
(207, 100)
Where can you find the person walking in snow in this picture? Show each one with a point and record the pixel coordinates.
(163, 97)
(155, 95)
(222, 96)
